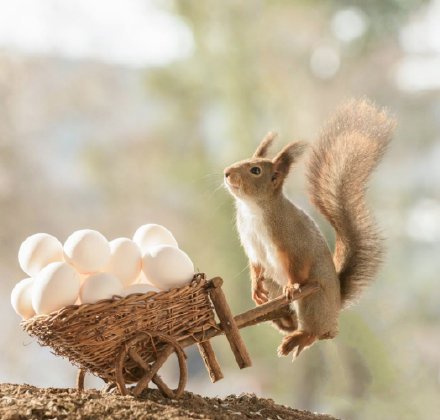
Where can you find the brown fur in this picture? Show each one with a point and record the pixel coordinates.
(264, 145)
(350, 147)
(297, 272)
(284, 245)
(285, 324)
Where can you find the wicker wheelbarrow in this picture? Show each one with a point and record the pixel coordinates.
(127, 340)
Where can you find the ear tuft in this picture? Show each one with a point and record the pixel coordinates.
(289, 154)
(263, 148)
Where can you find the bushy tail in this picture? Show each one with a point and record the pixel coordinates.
(349, 148)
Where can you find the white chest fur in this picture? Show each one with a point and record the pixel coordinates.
(257, 242)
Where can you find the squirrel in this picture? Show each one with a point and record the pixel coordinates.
(285, 246)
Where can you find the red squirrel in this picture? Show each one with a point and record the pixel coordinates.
(285, 246)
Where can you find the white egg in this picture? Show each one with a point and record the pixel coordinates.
(151, 235)
(82, 278)
(125, 260)
(37, 251)
(21, 298)
(100, 286)
(87, 250)
(167, 267)
(56, 286)
(142, 279)
(139, 288)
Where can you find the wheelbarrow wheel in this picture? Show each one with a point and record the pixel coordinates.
(130, 351)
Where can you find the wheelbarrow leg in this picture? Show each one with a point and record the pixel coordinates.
(211, 363)
(80, 380)
(228, 323)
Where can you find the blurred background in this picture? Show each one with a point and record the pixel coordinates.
(114, 114)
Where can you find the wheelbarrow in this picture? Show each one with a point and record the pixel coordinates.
(127, 340)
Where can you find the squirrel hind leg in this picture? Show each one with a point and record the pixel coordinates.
(296, 343)
(286, 324)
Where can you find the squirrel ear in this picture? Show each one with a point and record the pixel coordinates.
(265, 144)
(288, 155)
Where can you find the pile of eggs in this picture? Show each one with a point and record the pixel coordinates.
(88, 268)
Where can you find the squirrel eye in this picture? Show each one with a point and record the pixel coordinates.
(256, 170)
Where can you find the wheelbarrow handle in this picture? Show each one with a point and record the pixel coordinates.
(266, 312)
(274, 308)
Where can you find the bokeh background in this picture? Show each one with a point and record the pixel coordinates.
(118, 113)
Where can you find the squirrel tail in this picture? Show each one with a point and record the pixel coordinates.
(349, 148)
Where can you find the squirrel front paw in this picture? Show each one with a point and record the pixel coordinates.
(290, 290)
(259, 294)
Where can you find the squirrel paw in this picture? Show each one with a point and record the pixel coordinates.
(259, 294)
(297, 341)
(289, 290)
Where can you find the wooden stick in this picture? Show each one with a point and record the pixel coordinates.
(80, 380)
(273, 309)
(210, 360)
(156, 378)
(265, 312)
(148, 376)
(228, 325)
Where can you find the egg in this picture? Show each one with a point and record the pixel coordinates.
(100, 286)
(37, 251)
(21, 298)
(139, 288)
(142, 279)
(151, 235)
(87, 250)
(56, 286)
(82, 278)
(167, 267)
(125, 260)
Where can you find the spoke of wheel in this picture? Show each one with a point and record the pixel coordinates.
(120, 361)
(183, 377)
(163, 387)
(138, 359)
(150, 370)
(156, 378)
(145, 380)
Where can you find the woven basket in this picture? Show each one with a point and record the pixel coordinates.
(91, 335)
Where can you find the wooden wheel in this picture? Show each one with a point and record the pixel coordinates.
(145, 371)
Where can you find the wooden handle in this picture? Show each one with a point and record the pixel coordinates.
(266, 312)
(274, 308)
